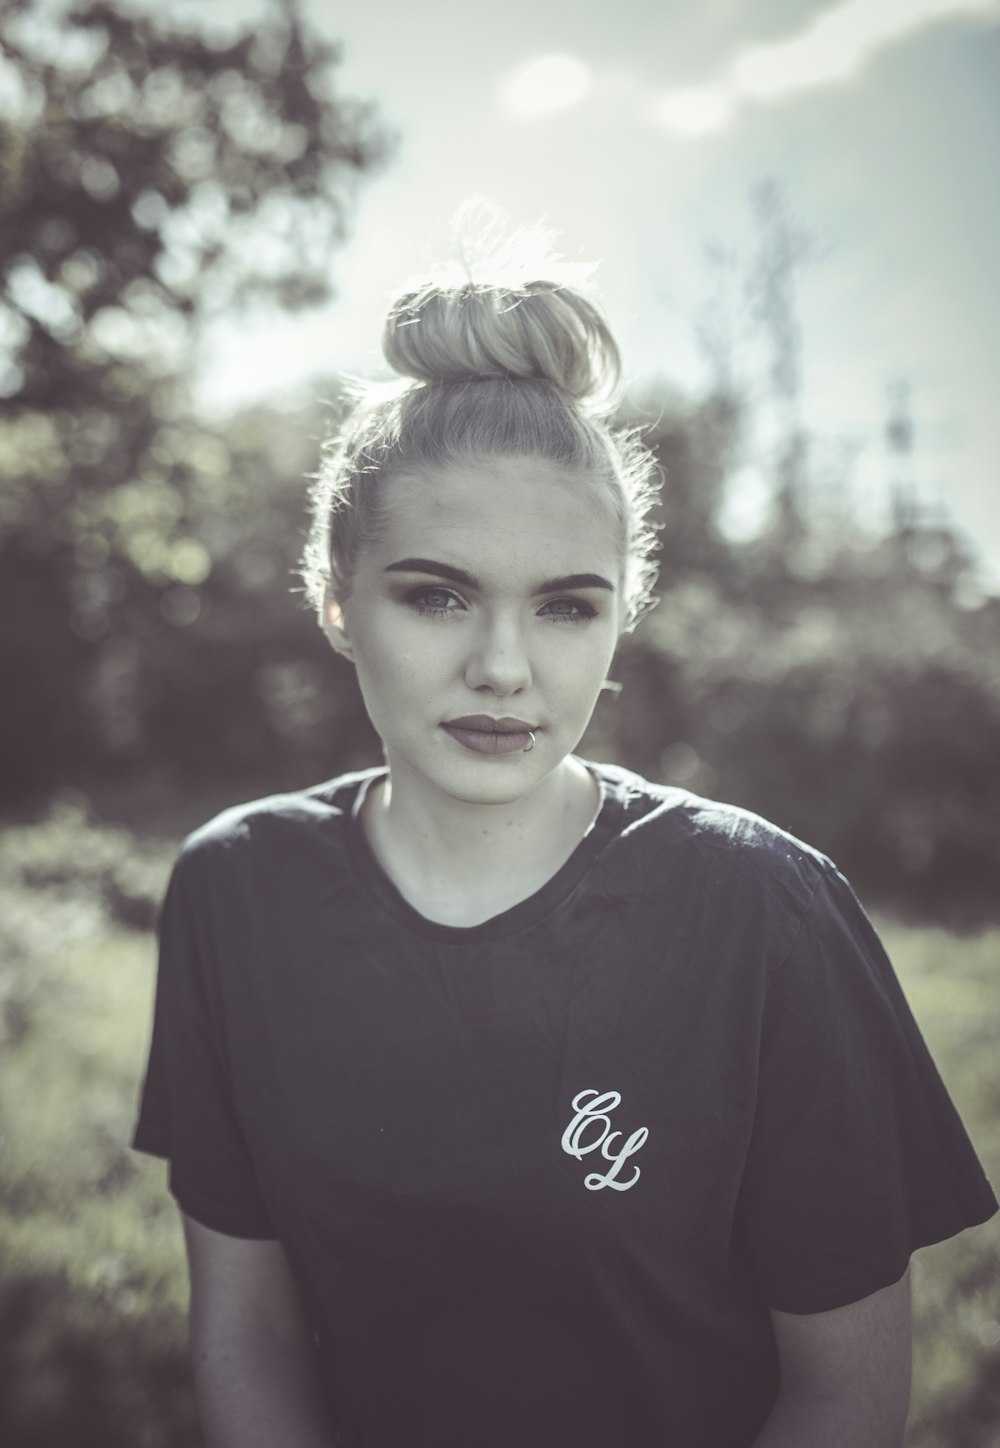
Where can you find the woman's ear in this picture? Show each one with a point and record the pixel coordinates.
(335, 625)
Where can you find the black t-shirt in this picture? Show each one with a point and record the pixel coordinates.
(540, 1179)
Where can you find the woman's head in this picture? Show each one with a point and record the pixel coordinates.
(490, 596)
(500, 363)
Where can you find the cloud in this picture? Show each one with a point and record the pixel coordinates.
(543, 84)
(834, 47)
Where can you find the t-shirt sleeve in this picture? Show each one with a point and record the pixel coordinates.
(186, 1109)
(858, 1155)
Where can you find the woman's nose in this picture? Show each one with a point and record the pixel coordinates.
(498, 656)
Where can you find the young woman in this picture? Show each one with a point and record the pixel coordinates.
(513, 1100)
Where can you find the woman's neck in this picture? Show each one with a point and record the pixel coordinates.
(458, 863)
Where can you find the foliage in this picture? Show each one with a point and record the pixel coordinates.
(842, 684)
(93, 1337)
(951, 987)
(841, 681)
(859, 708)
(151, 178)
(92, 1329)
(846, 691)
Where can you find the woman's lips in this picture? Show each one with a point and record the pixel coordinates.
(489, 741)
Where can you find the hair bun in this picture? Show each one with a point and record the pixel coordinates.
(448, 328)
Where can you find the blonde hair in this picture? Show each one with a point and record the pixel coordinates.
(505, 356)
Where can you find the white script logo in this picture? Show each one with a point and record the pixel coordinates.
(594, 1116)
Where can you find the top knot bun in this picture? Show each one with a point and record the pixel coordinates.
(540, 330)
(512, 310)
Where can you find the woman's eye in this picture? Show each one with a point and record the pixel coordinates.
(431, 600)
(580, 610)
(436, 601)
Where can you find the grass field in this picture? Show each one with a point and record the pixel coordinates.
(93, 1294)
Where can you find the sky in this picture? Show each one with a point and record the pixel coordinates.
(636, 131)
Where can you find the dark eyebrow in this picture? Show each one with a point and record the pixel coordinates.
(459, 575)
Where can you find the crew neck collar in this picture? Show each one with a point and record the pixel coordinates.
(517, 917)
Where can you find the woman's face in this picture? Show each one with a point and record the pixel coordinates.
(459, 610)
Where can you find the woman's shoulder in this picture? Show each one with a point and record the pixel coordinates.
(277, 820)
(662, 822)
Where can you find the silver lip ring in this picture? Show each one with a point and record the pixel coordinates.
(529, 747)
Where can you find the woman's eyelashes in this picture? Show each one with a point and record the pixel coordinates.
(429, 601)
(583, 610)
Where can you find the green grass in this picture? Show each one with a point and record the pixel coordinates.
(953, 987)
(93, 1301)
(94, 1297)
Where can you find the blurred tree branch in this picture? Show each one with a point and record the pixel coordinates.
(151, 178)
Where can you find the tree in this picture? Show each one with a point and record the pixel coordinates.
(783, 249)
(840, 683)
(152, 179)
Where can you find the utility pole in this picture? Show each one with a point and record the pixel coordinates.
(783, 250)
(899, 442)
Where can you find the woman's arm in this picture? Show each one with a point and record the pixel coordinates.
(255, 1370)
(845, 1374)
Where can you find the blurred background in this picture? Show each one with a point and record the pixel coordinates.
(203, 209)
